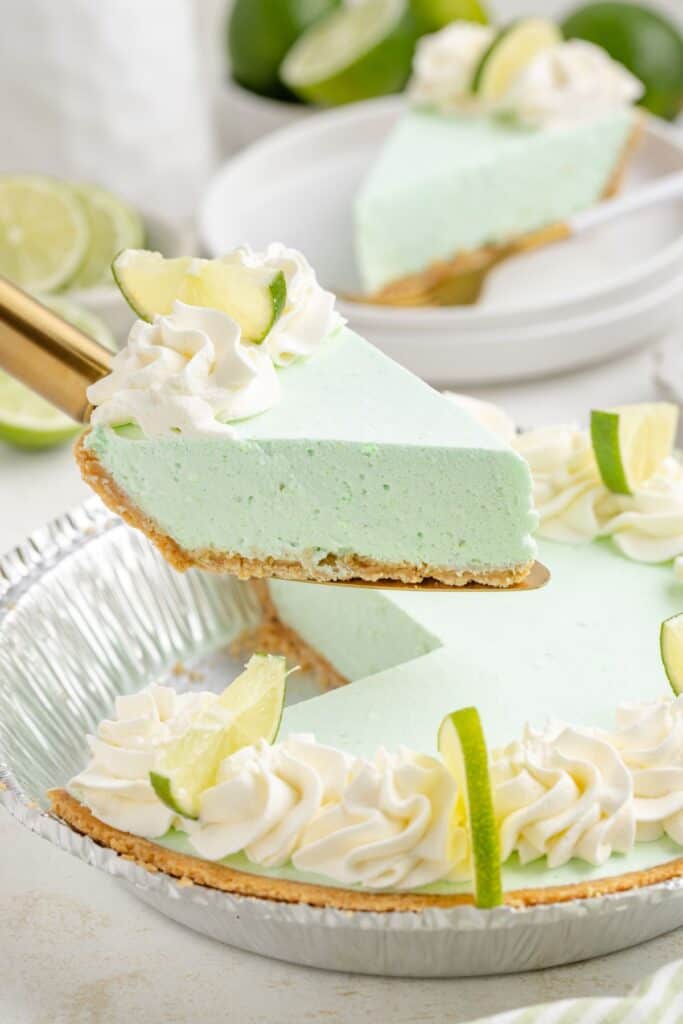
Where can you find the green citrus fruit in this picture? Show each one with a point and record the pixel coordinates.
(354, 53)
(260, 32)
(641, 39)
(431, 15)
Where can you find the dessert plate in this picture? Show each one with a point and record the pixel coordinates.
(600, 294)
(113, 615)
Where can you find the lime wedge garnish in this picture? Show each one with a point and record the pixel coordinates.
(188, 765)
(26, 419)
(352, 54)
(463, 749)
(631, 442)
(43, 232)
(253, 296)
(511, 51)
(671, 648)
(113, 226)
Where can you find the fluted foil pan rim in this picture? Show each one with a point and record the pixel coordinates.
(394, 949)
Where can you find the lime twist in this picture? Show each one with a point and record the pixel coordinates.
(671, 649)
(630, 442)
(463, 749)
(512, 49)
(187, 766)
(253, 296)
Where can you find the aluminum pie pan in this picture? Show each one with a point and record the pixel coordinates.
(88, 608)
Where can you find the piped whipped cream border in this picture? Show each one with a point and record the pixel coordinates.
(395, 821)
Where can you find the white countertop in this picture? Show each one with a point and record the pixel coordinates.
(77, 949)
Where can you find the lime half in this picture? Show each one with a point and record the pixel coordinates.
(43, 232)
(353, 54)
(188, 766)
(511, 51)
(26, 419)
(260, 32)
(671, 648)
(631, 442)
(113, 226)
(463, 749)
(253, 296)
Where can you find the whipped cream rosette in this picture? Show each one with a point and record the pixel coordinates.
(192, 371)
(562, 796)
(391, 827)
(649, 738)
(265, 797)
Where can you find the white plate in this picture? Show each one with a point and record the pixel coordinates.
(298, 186)
(112, 616)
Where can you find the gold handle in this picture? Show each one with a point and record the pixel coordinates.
(48, 354)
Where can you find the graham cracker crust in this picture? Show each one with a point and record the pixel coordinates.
(334, 567)
(458, 280)
(193, 870)
(272, 636)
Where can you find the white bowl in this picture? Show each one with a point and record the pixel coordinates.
(298, 187)
(245, 117)
(106, 300)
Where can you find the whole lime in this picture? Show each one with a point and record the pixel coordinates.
(260, 32)
(642, 40)
(431, 15)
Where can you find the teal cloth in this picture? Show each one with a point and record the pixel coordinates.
(657, 1000)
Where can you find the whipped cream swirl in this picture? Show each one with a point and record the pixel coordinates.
(571, 82)
(649, 738)
(115, 785)
(444, 65)
(562, 796)
(192, 372)
(265, 797)
(391, 828)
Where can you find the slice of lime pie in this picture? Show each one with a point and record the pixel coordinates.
(508, 133)
(378, 795)
(247, 430)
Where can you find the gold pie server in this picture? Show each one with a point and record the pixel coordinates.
(59, 362)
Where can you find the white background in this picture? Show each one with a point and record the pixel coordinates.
(74, 949)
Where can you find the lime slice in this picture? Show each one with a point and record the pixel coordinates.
(43, 232)
(432, 15)
(510, 52)
(113, 226)
(188, 766)
(463, 749)
(644, 41)
(353, 54)
(253, 296)
(26, 419)
(260, 32)
(671, 649)
(631, 442)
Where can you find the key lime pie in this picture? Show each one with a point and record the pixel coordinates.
(380, 794)
(508, 133)
(247, 430)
